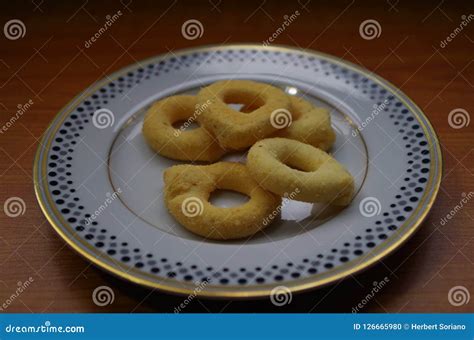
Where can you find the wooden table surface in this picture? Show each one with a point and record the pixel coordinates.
(49, 65)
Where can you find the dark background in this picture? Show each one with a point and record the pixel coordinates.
(50, 65)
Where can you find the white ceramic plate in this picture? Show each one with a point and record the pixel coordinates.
(100, 185)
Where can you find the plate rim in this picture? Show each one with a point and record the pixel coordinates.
(363, 263)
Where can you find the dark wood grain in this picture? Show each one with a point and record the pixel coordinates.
(50, 65)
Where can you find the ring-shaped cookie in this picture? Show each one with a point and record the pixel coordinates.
(182, 144)
(289, 167)
(235, 129)
(310, 124)
(187, 191)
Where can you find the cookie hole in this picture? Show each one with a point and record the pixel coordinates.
(185, 125)
(296, 165)
(244, 103)
(227, 198)
(245, 108)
